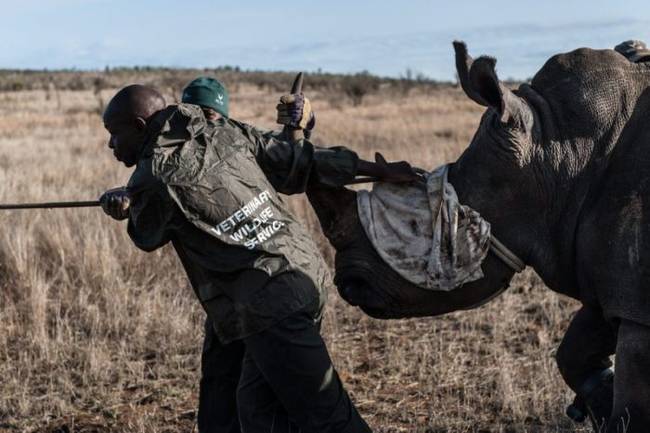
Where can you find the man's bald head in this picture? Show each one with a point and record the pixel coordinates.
(127, 118)
(134, 101)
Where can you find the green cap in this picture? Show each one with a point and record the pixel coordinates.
(207, 92)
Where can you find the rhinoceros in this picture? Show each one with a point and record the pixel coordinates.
(560, 168)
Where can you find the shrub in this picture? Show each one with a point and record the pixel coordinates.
(359, 85)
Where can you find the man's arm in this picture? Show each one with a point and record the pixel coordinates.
(292, 166)
(151, 218)
(151, 212)
(396, 172)
(294, 111)
(115, 203)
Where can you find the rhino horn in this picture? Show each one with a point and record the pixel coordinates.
(463, 65)
(484, 81)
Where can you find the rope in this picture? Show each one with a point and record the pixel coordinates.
(507, 256)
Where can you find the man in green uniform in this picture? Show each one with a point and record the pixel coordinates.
(211, 188)
(221, 364)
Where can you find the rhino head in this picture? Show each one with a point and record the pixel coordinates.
(497, 174)
(365, 280)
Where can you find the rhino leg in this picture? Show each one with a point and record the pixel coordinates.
(631, 413)
(583, 360)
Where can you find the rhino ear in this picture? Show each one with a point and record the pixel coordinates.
(463, 65)
(484, 81)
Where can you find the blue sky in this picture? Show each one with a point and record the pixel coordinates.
(383, 37)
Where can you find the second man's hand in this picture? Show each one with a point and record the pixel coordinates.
(115, 203)
(294, 111)
(396, 172)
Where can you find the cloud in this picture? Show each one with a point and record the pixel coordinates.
(520, 49)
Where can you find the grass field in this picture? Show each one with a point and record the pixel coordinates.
(96, 336)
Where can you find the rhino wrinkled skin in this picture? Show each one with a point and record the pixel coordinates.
(560, 168)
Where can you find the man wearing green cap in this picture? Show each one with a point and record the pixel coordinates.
(221, 365)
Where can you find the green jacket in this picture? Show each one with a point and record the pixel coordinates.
(211, 188)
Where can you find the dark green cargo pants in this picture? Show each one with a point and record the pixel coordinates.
(283, 380)
(221, 367)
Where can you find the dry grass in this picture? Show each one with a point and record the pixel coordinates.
(96, 336)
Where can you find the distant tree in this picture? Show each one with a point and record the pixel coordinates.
(358, 86)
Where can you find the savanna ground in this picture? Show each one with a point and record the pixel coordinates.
(96, 336)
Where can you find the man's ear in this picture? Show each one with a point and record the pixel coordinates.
(140, 124)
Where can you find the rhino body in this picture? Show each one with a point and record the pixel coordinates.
(560, 168)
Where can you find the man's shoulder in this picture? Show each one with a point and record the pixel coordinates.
(179, 116)
(184, 119)
(143, 177)
(189, 119)
(236, 125)
(254, 132)
(174, 127)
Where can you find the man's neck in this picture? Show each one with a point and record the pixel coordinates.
(155, 123)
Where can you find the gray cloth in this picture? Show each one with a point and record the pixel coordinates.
(422, 232)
